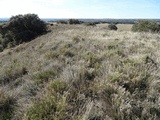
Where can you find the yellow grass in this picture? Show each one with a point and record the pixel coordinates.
(124, 27)
(121, 27)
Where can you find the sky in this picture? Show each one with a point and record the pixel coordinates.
(82, 8)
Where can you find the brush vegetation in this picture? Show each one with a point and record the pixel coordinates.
(146, 26)
(112, 27)
(21, 28)
(76, 72)
(74, 21)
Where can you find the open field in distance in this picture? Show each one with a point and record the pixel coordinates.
(121, 27)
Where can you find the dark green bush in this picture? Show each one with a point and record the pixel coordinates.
(62, 22)
(22, 28)
(73, 21)
(146, 26)
(112, 27)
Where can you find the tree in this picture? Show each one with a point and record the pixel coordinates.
(22, 28)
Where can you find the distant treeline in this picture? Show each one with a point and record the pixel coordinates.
(115, 21)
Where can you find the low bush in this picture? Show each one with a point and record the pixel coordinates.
(90, 23)
(21, 28)
(146, 26)
(73, 21)
(62, 22)
(112, 27)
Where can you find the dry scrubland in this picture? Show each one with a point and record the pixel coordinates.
(121, 27)
(78, 72)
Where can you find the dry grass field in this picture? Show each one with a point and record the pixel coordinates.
(78, 72)
(124, 27)
(121, 27)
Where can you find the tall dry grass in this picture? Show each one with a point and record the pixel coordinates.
(79, 72)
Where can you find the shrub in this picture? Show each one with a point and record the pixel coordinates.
(62, 22)
(112, 27)
(73, 21)
(90, 23)
(22, 28)
(146, 26)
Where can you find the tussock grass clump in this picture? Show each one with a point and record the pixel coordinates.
(44, 76)
(12, 72)
(67, 52)
(6, 106)
(52, 106)
(51, 54)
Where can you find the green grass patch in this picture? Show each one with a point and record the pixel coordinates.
(45, 76)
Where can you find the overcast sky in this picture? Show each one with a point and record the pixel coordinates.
(82, 8)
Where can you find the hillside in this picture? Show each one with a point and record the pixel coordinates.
(78, 72)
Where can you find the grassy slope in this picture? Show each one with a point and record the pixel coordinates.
(80, 73)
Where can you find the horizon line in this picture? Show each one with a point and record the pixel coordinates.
(81, 18)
